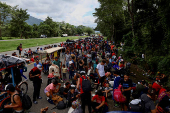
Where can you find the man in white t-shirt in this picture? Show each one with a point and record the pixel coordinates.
(100, 71)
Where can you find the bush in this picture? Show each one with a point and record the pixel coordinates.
(164, 65)
(1, 38)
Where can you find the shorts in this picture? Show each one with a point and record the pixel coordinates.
(45, 91)
(19, 52)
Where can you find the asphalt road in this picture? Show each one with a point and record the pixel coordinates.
(41, 102)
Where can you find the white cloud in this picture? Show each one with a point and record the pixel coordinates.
(75, 12)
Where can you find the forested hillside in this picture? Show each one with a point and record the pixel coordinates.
(143, 26)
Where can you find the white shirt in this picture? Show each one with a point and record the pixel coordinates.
(100, 70)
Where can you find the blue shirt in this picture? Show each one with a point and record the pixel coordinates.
(35, 64)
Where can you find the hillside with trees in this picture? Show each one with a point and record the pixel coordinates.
(143, 26)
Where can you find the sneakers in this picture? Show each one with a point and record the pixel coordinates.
(35, 102)
(39, 98)
(48, 98)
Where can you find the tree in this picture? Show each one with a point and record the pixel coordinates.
(80, 29)
(89, 30)
(27, 30)
(5, 11)
(19, 16)
(106, 15)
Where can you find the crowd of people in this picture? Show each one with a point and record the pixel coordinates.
(96, 73)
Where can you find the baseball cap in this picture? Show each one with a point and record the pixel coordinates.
(82, 72)
(39, 67)
(9, 87)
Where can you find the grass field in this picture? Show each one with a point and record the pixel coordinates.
(12, 45)
(10, 38)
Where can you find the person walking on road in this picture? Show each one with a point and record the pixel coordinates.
(36, 75)
(19, 48)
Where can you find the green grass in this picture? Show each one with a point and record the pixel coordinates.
(10, 38)
(12, 45)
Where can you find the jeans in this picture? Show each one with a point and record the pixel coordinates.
(21, 71)
(67, 64)
(86, 99)
(46, 67)
(71, 74)
(36, 93)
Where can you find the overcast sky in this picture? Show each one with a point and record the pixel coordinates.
(75, 12)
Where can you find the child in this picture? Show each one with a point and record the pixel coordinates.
(108, 89)
(51, 75)
(64, 70)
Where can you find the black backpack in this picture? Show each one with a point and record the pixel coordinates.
(26, 101)
(18, 48)
(31, 79)
(137, 107)
(61, 90)
(86, 85)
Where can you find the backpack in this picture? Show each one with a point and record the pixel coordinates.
(86, 85)
(26, 101)
(31, 79)
(18, 48)
(140, 107)
(61, 105)
(61, 90)
(118, 96)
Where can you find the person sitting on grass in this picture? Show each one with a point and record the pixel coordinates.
(100, 102)
(50, 90)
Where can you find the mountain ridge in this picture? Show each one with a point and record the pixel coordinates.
(32, 20)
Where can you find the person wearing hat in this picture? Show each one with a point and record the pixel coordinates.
(72, 95)
(85, 96)
(16, 103)
(36, 75)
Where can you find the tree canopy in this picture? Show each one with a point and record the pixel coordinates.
(13, 24)
(144, 27)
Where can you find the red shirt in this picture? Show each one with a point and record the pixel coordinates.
(99, 100)
(122, 65)
(113, 54)
(81, 90)
(156, 86)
